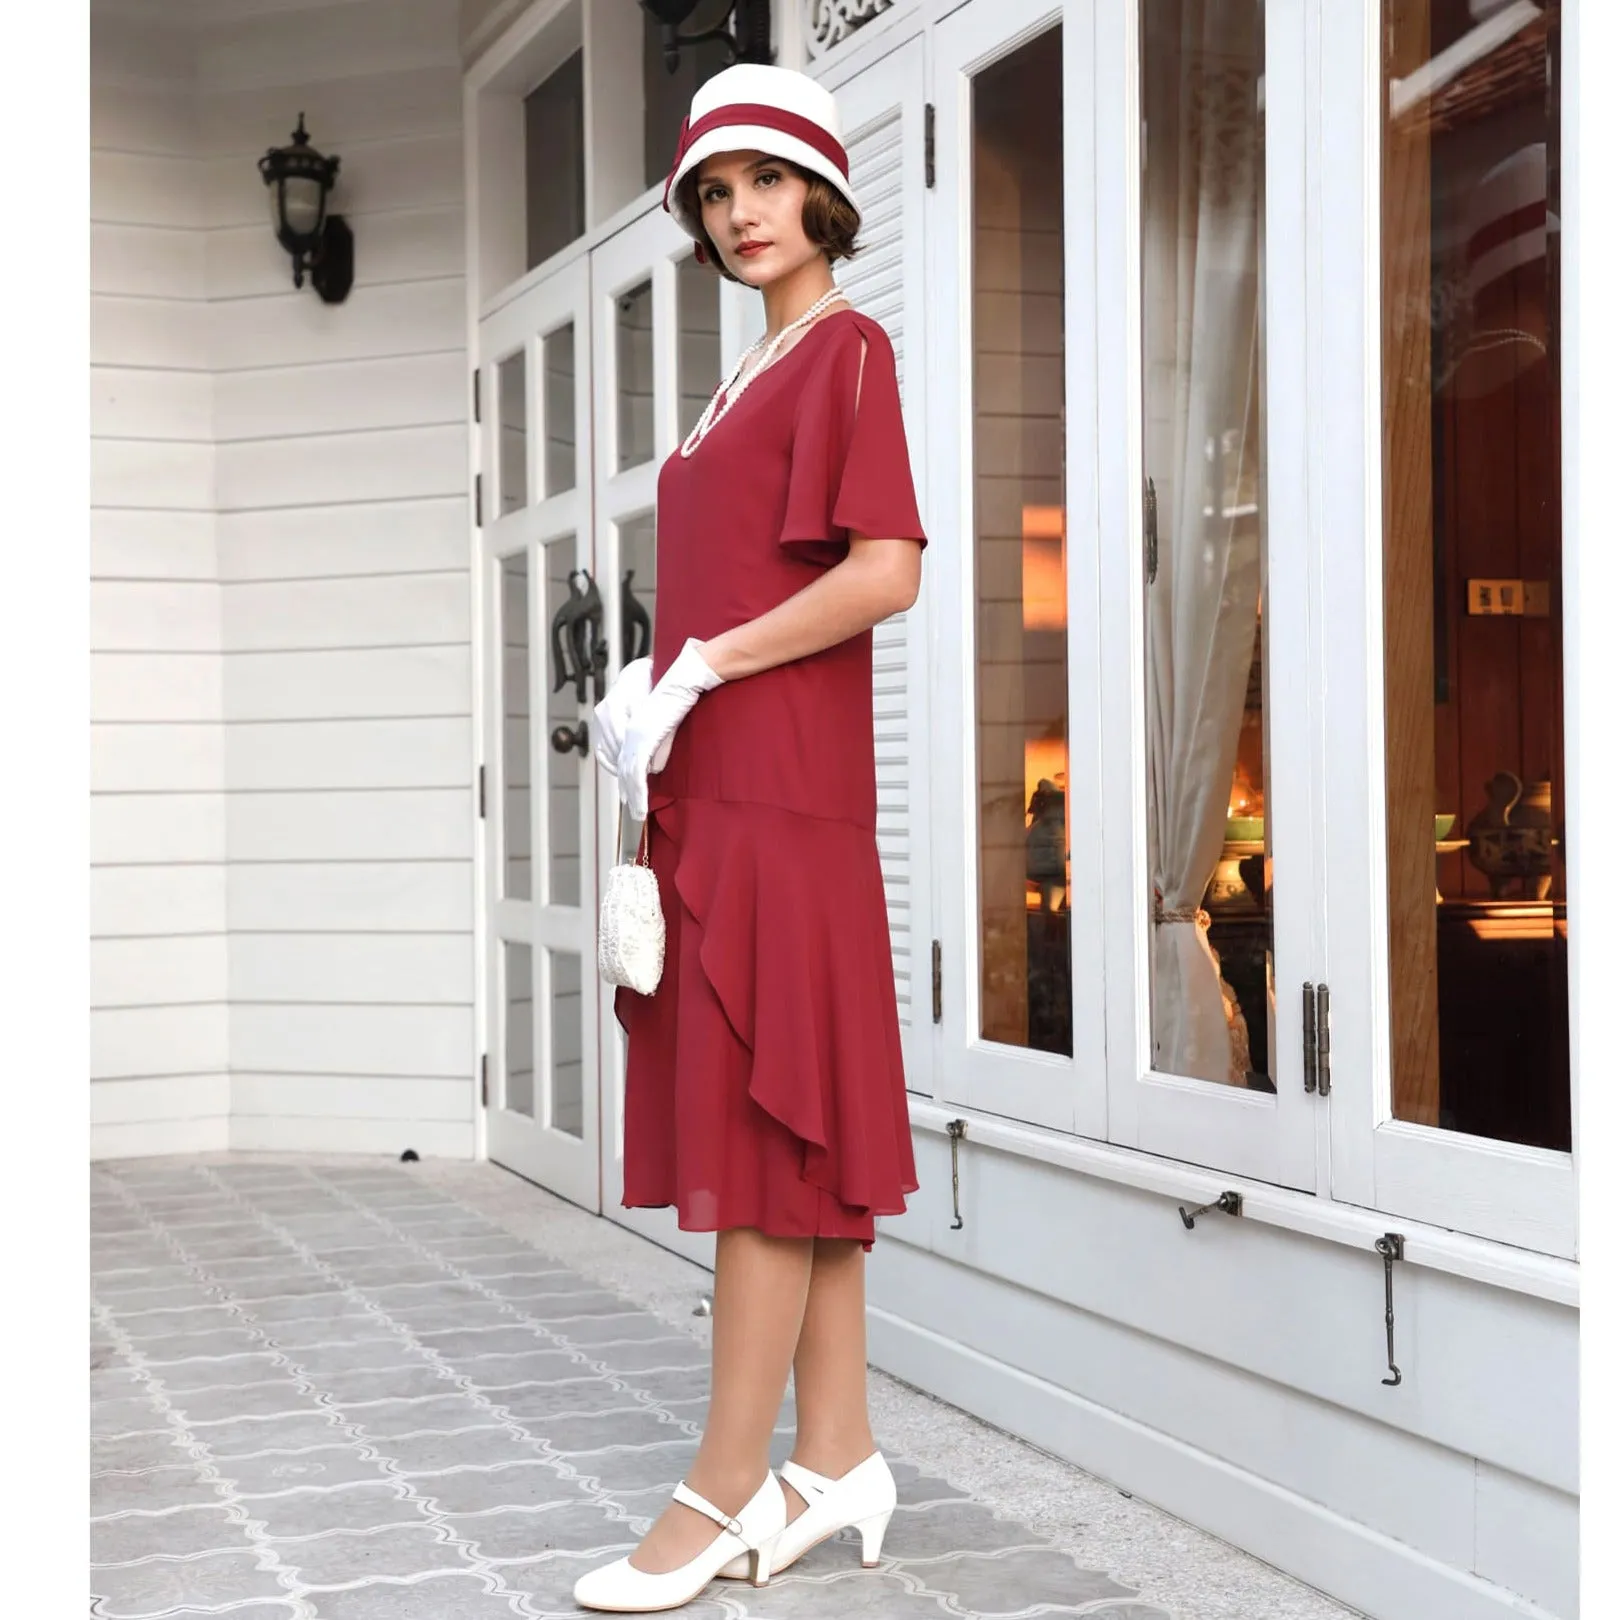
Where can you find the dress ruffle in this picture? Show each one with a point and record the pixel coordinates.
(772, 1040)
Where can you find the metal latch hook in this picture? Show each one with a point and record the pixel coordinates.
(1229, 1203)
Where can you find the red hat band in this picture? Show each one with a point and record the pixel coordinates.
(763, 116)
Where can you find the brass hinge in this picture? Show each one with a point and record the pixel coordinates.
(939, 988)
(928, 145)
(483, 1079)
(478, 500)
(1318, 1050)
(481, 811)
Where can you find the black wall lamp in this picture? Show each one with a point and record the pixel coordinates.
(299, 180)
(749, 34)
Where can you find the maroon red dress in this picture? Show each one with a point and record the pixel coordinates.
(764, 1085)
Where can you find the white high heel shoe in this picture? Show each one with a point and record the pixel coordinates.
(748, 1541)
(864, 1497)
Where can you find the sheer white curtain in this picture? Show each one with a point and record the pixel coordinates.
(1201, 279)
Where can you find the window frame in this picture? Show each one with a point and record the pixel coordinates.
(1063, 1094)
(1494, 1190)
(1273, 1138)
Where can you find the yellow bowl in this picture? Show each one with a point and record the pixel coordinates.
(1443, 826)
(1245, 829)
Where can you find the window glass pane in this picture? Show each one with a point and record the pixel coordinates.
(517, 1090)
(1473, 622)
(697, 310)
(563, 709)
(554, 160)
(566, 1012)
(514, 761)
(1021, 724)
(1203, 436)
(512, 427)
(638, 554)
(557, 362)
(667, 95)
(635, 380)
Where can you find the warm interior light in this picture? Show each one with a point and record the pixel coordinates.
(1045, 593)
(1520, 922)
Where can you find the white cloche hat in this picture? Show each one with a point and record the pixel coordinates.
(755, 108)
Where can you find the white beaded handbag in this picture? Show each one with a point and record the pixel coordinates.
(630, 929)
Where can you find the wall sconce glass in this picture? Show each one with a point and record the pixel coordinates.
(749, 36)
(299, 180)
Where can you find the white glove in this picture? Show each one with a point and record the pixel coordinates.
(653, 722)
(613, 712)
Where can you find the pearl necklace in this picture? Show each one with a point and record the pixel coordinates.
(714, 412)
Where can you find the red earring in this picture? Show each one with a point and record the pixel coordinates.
(699, 253)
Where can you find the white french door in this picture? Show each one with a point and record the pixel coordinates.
(588, 380)
(656, 324)
(1210, 699)
(1128, 625)
(1014, 445)
(540, 680)
(1437, 1084)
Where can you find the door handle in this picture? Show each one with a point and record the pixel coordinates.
(577, 738)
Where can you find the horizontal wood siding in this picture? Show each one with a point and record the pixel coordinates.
(159, 1018)
(281, 683)
(341, 479)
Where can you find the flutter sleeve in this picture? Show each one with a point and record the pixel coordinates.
(851, 470)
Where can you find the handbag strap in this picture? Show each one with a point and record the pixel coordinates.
(642, 858)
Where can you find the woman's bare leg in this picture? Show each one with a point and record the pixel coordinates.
(760, 1287)
(829, 1367)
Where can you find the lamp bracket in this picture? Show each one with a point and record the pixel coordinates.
(331, 270)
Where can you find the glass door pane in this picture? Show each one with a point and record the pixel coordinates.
(1204, 463)
(561, 451)
(1473, 598)
(638, 590)
(517, 1029)
(554, 161)
(512, 425)
(634, 351)
(697, 304)
(565, 1008)
(1208, 762)
(1440, 392)
(512, 766)
(561, 727)
(1020, 574)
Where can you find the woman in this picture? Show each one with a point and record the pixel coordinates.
(764, 1096)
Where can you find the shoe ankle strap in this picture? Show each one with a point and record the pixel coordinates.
(685, 1494)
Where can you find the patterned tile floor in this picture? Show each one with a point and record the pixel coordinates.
(334, 1390)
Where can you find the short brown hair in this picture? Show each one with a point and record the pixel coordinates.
(830, 221)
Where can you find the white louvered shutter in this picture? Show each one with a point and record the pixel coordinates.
(883, 112)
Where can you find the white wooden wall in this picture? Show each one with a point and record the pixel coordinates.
(342, 532)
(159, 1016)
(298, 651)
